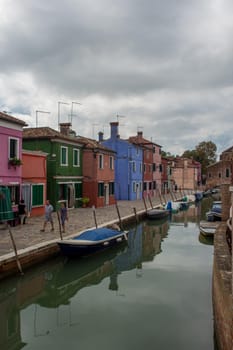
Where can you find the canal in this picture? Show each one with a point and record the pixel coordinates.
(153, 292)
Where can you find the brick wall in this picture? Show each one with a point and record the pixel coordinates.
(222, 290)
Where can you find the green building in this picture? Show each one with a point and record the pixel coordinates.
(64, 162)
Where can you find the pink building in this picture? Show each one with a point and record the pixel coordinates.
(11, 155)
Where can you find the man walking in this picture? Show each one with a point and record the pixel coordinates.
(48, 216)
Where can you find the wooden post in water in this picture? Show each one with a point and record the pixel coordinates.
(150, 201)
(59, 224)
(144, 202)
(118, 212)
(160, 197)
(135, 213)
(15, 250)
(94, 213)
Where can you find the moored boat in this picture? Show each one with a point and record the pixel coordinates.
(207, 228)
(215, 214)
(157, 214)
(91, 241)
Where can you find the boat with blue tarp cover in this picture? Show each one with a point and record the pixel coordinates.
(92, 241)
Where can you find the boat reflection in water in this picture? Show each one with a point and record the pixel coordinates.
(54, 284)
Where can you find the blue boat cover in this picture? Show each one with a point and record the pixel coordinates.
(97, 234)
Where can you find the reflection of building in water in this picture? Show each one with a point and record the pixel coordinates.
(10, 332)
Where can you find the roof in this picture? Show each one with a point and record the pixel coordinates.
(49, 133)
(46, 133)
(9, 118)
(139, 140)
(93, 144)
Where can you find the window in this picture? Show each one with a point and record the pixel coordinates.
(111, 162)
(140, 167)
(14, 194)
(13, 148)
(134, 186)
(37, 195)
(154, 185)
(101, 161)
(144, 186)
(144, 167)
(111, 188)
(154, 167)
(134, 166)
(100, 189)
(160, 168)
(76, 157)
(64, 155)
(227, 172)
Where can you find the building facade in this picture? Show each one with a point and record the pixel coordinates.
(11, 130)
(64, 162)
(128, 165)
(34, 181)
(221, 172)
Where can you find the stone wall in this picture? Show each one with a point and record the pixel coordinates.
(222, 290)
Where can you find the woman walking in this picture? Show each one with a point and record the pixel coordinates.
(63, 215)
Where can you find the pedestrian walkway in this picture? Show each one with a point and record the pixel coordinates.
(79, 219)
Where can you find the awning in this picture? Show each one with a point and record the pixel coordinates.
(6, 212)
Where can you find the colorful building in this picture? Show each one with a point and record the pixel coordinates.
(34, 181)
(128, 165)
(151, 163)
(221, 172)
(64, 162)
(11, 130)
(98, 173)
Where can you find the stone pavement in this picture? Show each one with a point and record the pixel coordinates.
(79, 219)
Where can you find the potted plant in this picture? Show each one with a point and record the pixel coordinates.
(85, 201)
(15, 162)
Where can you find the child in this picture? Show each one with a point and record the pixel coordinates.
(63, 215)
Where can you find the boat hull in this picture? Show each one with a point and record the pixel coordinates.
(157, 214)
(83, 245)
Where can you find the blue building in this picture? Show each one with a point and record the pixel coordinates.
(128, 165)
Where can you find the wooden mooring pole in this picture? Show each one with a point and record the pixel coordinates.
(15, 250)
(119, 216)
(94, 214)
(135, 213)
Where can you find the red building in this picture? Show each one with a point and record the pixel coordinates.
(98, 173)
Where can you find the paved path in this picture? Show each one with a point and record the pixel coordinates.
(80, 219)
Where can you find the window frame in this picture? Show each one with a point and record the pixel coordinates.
(76, 150)
(61, 159)
(16, 139)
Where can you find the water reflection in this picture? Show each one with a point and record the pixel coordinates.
(54, 287)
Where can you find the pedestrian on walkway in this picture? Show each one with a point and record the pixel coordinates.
(48, 216)
(63, 215)
(22, 212)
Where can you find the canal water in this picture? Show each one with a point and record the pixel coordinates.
(153, 292)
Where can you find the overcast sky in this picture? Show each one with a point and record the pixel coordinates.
(164, 66)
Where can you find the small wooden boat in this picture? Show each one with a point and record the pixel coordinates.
(207, 228)
(91, 241)
(207, 231)
(215, 214)
(157, 214)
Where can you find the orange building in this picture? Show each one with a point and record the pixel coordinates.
(34, 181)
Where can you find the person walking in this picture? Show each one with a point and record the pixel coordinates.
(22, 212)
(48, 216)
(63, 215)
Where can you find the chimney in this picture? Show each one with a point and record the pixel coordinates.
(140, 133)
(101, 136)
(65, 128)
(114, 130)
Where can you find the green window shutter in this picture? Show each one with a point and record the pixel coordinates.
(37, 195)
(100, 189)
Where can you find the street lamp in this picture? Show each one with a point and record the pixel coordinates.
(71, 114)
(58, 114)
(37, 116)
